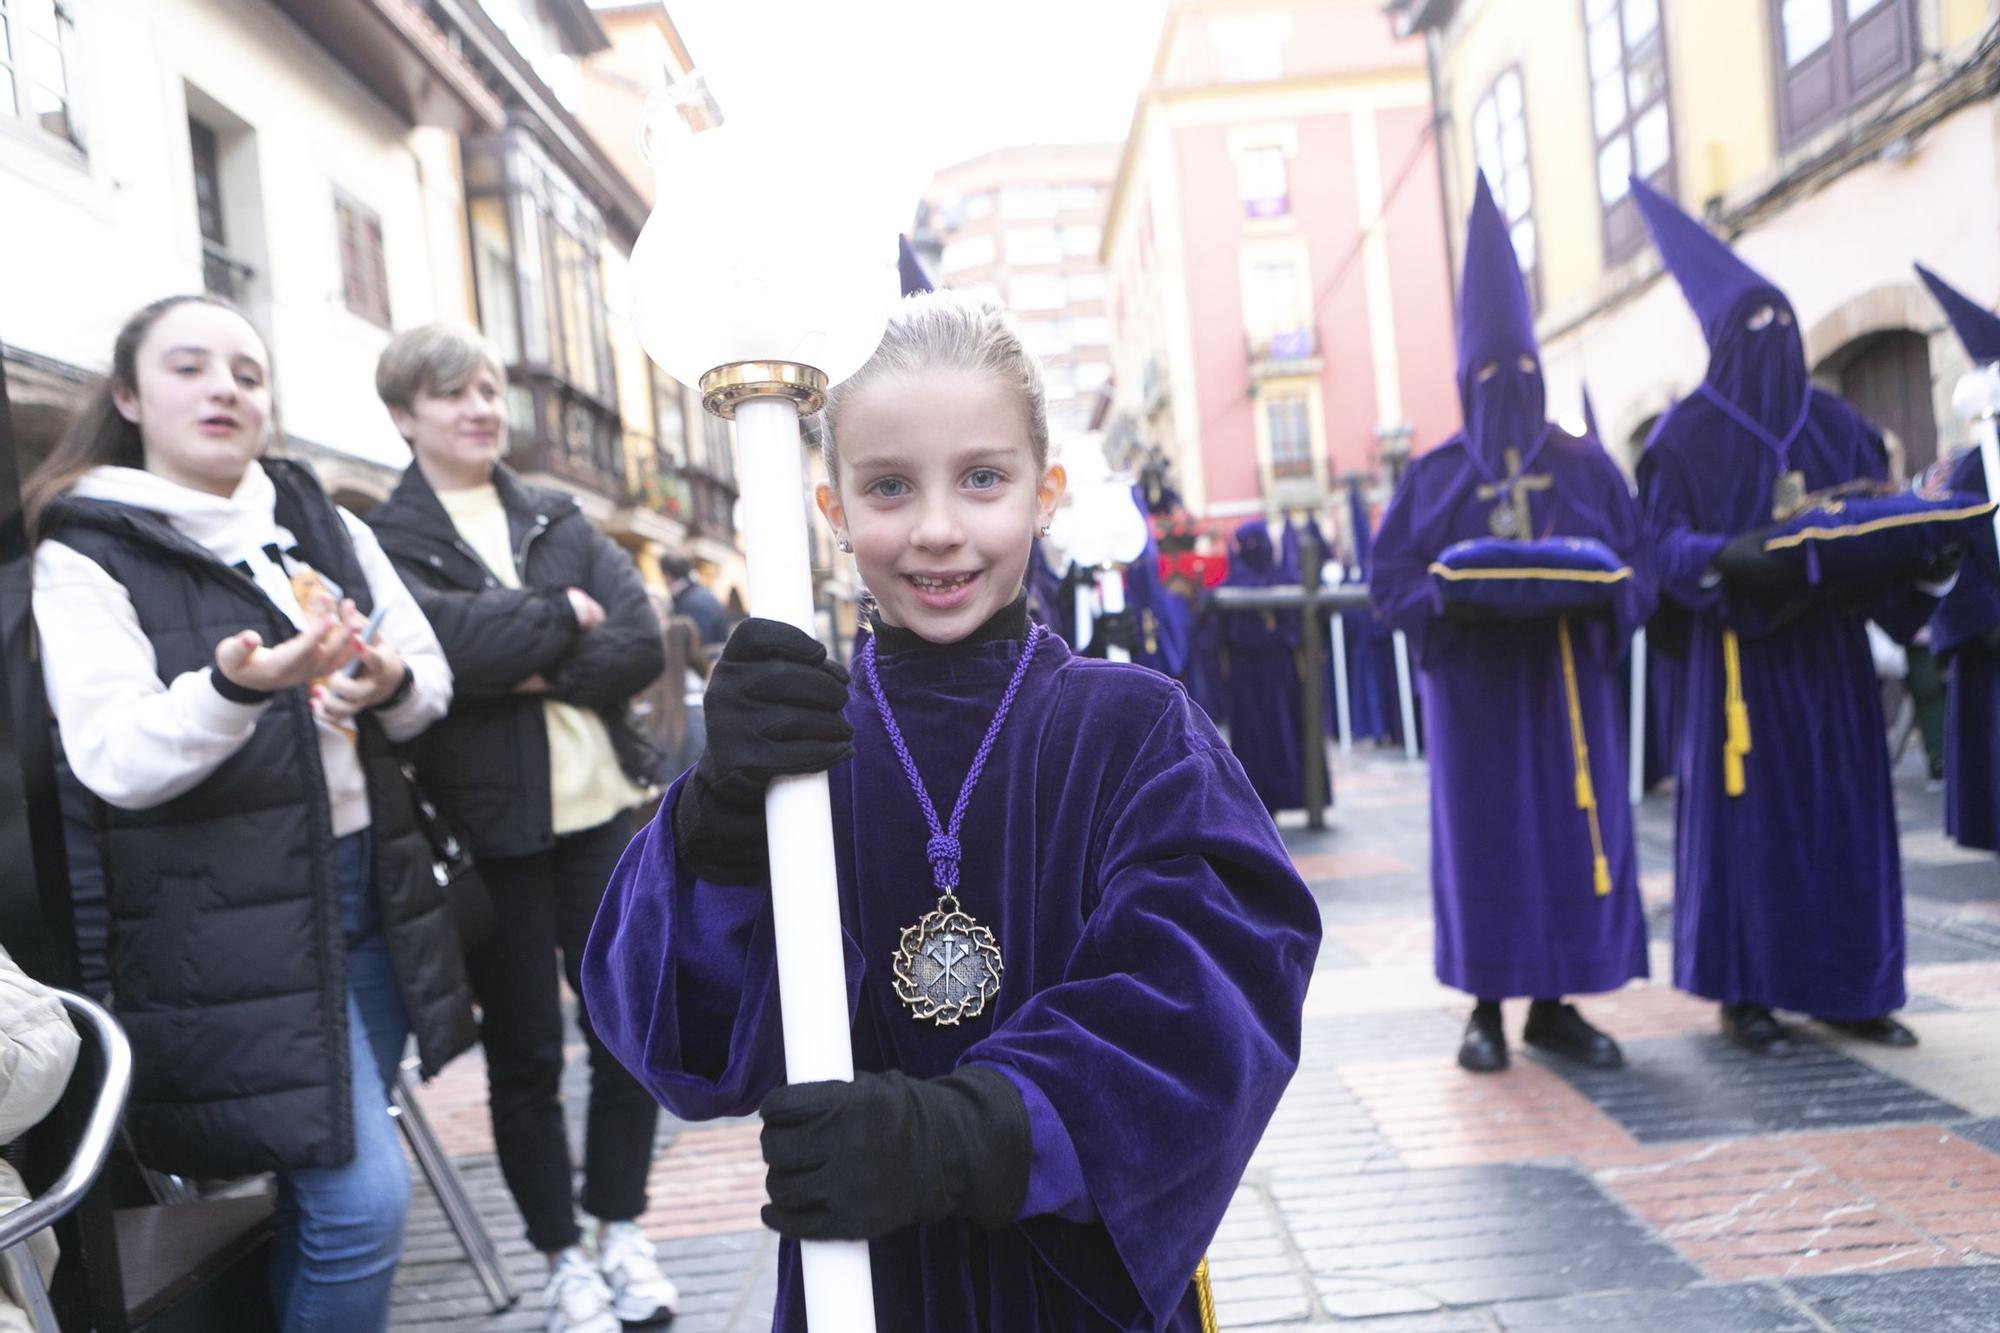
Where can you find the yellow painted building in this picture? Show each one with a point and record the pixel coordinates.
(1833, 141)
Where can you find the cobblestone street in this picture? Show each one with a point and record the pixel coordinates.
(1843, 1187)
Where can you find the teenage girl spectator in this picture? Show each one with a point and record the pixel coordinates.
(275, 930)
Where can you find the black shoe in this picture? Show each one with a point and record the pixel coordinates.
(1883, 1031)
(1484, 1050)
(1752, 1027)
(1559, 1029)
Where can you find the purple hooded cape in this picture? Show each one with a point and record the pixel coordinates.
(1157, 944)
(1371, 652)
(1513, 874)
(1266, 711)
(1965, 618)
(1789, 894)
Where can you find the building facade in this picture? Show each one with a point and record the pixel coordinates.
(1280, 312)
(1024, 225)
(273, 153)
(342, 169)
(1833, 141)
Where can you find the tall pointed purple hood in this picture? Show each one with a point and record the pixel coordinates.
(1714, 280)
(1977, 327)
(1756, 358)
(1499, 363)
(911, 269)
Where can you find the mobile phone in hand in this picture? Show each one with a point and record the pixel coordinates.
(369, 633)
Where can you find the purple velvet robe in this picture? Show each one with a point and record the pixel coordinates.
(1959, 629)
(1789, 895)
(1513, 860)
(1157, 945)
(1512, 863)
(1266, 710)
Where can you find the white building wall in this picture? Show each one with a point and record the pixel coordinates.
(90, 240)
(1842, 255)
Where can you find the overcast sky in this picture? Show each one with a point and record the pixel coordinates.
(893, 90)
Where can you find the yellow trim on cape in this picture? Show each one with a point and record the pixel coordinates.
(1550, 574)
(1803, 535)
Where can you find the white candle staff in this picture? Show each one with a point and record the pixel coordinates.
(763, 294)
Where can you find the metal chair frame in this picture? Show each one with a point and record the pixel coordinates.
(449, 1189)
(93, 1146)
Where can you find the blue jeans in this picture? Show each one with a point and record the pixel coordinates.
(339, 1229)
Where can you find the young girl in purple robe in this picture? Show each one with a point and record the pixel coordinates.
(1045, 1128)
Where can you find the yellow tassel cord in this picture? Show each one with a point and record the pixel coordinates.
(1736, 714)
(1205, 1298)
(1586, 791)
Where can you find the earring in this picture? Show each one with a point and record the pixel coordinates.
(1043, 531)
(846, 546)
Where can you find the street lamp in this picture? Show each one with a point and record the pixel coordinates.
(1976, 397)
(763, 295)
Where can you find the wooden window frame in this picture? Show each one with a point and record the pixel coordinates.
(22, 79)
(1287, 466)
(1622, 230)
(1897, 17)
(1531, 275)
(364, 265)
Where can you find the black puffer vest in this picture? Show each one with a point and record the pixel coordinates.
(227, 960)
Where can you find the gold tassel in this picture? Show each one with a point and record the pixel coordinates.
(1586, 791)
(1205, 1297)
(1736, 716)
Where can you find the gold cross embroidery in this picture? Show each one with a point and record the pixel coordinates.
(1512, 518)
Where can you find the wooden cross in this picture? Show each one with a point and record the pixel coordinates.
(1513, 519)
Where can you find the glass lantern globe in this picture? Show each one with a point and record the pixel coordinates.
(752, 252)
(1104, 527)
(1977, 393)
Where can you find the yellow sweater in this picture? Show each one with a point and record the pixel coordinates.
(586, 785)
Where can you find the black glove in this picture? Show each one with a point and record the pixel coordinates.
(1112, 631)
(1941, 566)
(1746, 564)
(772, 709)
(853, 1161)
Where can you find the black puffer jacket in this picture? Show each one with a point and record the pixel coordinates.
(227, 960)
(486, 763)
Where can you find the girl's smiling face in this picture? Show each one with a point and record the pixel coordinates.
(939, 492)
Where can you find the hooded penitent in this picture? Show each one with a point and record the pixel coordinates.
(1787, 888)
(1968, 620)
(1265, 704)
(1534, 892)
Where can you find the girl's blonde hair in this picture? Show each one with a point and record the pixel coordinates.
(947, 331)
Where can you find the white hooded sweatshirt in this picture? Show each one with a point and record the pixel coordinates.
(136, 740)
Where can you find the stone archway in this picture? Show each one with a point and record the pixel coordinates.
(1888, 308)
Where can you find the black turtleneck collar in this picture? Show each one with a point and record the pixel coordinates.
(1009, 622)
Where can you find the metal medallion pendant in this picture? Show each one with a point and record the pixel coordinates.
(948, 965)
(1505, 521)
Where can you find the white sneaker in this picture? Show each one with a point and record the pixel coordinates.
(640, 1292)
(578, 1299)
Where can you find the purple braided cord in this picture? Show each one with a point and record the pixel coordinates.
(942, 851)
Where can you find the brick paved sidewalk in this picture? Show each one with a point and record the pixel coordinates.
(1700, 1190)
